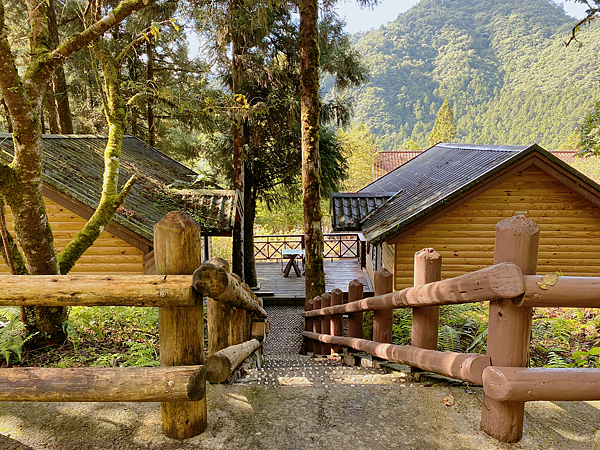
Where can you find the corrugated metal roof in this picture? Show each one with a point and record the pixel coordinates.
(386, 161)
(348, 210)
(74, 166)
(431, 179)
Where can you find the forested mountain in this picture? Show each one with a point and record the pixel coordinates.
(502, 65)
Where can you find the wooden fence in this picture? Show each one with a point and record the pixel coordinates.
(179, 384)
(336, 246)
(512, 290)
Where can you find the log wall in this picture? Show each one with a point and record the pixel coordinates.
(109, 254)
(569, 238)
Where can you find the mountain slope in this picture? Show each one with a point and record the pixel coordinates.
(502, 64)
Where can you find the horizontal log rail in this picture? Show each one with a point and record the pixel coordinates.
(220, 365)
(492, 283)
(568, 292)
(541, 384)
(123, 384)
(462, 366)
(215, 282)
(97, 290)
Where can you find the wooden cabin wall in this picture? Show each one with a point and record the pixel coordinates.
(569, 235)
(108, 255)
(387, 257)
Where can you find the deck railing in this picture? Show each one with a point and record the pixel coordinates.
(337, 246)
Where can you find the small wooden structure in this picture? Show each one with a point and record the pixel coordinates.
(512, 290)
(451, 196)
(73, 170)
(180, 383)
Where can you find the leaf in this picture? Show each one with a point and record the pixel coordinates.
(549, 280)
(449, 400)
(595, 351)
(147, 38)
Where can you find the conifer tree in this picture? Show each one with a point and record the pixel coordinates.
(444, 129)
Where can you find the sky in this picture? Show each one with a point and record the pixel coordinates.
(358, 19)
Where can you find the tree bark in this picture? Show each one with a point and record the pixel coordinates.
(59, 80)
(51, 113)
(150, 82)
(311, 160)
(237, 49)
(249, 217)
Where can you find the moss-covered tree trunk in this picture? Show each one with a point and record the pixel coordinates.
(311, 160)
(21, 183)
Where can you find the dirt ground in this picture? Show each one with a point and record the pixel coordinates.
(404, 415)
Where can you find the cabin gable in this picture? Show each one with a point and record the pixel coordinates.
(464, 235)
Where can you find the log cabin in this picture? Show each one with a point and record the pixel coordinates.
(450, 198)
(73, 170)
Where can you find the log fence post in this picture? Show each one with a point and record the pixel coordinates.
(218, 317)
(509, 332)
(355, 320)
(317, 326)
(308, 326)
(425, 320)
(383, 319)
(337, 321)
(178, 251)
(326, 323)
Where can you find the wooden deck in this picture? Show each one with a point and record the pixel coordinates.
(277, 290)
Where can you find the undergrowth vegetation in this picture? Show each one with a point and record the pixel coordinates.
(561, 337)
(97, 337)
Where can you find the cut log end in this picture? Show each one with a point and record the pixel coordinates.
(507, 281)
(210, 280)
(196, 388)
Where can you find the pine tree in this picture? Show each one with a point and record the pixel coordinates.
(444, 129)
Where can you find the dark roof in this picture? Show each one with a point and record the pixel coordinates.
(386, 161)
(349, 209)
(435, 178)
(74, 166)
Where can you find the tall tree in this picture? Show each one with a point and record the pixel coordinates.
(21, 181)
(444, 129)
(311, 160)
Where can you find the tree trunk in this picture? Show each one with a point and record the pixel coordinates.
(59, 80)
(150, 80)
(237, 49)
(311, 160)
(249, 216)
(51, 113)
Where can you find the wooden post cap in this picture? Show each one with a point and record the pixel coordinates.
(517, 238)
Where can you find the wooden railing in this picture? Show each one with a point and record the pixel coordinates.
(336, 246)
(180, 383)
(512, 290)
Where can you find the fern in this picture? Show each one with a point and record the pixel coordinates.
(450, 339)
(479, 341)
(556, 361)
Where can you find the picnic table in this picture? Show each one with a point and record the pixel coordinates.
(292, 254)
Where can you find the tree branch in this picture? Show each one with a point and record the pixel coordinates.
(77, 42)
